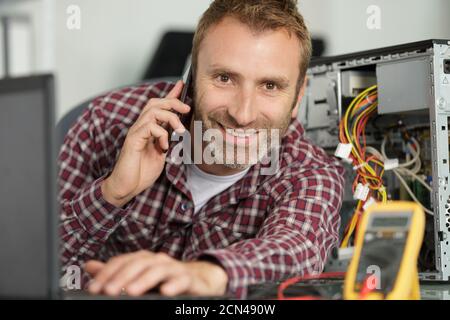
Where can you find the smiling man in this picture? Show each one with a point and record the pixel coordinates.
(136, 220)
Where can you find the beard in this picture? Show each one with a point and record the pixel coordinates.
(265, 136)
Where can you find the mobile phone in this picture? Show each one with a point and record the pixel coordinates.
(187, 80)
(185, 93)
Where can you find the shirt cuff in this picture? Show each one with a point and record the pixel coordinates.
(97, 216)
(237, 268)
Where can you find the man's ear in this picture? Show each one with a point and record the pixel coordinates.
(301, 93)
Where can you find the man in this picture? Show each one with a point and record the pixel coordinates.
(136, 220)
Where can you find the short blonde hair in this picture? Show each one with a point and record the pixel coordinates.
(259, 16)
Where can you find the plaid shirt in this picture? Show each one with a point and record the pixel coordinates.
(262, 228)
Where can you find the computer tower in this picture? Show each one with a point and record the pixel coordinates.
(413, 98)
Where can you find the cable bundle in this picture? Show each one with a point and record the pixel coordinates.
(404, 170)
(368, 184)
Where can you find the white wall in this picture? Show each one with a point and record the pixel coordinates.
(318, 17)
(402, 21)
(36, 37)
(118, 37)
(115, 43)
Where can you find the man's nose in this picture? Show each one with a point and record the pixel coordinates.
(244, 110)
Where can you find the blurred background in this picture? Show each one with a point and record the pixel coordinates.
(96, 45)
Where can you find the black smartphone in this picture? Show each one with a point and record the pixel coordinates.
(185, 93)
(187, 80)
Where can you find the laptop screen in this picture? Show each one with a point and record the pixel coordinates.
(26, 188)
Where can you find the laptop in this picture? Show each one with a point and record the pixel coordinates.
(29, 216)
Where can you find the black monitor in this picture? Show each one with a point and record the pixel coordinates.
(28, 216)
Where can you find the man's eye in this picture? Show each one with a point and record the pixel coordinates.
(224, 78)
(270, 86)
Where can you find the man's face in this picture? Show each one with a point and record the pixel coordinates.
(246, 81)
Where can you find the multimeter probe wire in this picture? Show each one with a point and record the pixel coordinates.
(365, 289)
(291, 281)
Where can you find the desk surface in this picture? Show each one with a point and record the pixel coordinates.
(435, 291)
(332, 289)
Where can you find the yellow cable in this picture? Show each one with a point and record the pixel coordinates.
(346, 116)
(351, 228)
(350, 112)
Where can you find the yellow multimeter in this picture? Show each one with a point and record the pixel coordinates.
(386, 250)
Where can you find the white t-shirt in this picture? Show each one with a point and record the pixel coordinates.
(204, 186)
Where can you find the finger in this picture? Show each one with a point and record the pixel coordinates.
(93, 267)
(133, 268)
(126, 274)
(150, 278)
(176, 90)
(168, 117)
(149, 130)
(176, 285)
(166, 104)
(172, 119)
(163, 117)
(107, 272)
(175, 104)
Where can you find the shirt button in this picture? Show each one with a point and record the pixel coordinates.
(117, 219)
(184, 206)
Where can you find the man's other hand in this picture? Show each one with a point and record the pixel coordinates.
(138, 272)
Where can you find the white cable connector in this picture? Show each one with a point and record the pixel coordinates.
(390, 164)
(369, 202)
(361, 192)
(343, 150)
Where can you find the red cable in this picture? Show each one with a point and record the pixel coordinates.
(365, 290)
(294, 280)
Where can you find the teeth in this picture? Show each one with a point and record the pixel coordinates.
(241, 133)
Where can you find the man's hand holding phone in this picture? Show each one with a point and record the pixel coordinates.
(143, 154)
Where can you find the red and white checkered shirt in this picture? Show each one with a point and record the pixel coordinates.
(262, 228)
